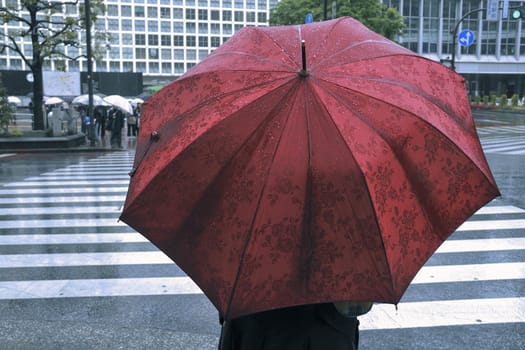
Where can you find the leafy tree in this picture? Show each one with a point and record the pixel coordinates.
(6, 112)
(50, 31)
(372, 13)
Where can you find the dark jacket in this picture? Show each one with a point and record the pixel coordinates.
(307, 327)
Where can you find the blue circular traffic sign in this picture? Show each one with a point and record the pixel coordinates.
(466, 37)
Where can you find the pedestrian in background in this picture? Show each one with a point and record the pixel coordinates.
(132, 123)
(116, 124)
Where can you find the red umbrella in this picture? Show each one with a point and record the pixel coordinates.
(273, 182)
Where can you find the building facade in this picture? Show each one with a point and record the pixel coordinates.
(162, 39)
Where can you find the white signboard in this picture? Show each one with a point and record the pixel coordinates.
(61, 83)
(492, 10)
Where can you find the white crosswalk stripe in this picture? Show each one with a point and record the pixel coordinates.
(33, 216)
(499, 139)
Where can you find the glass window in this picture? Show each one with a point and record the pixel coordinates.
(127, 66)
(112, 10)
(178, 54)
(190, 27)
(140, 26)
(141, 67)
(126, 25)
(215, 28)
(226, 3)
(178, 27)
(203, 28)
(190, 65)
(140, 39)
(261, 17)
(179, 68)
(239, 4)
(127, 52)
(165, 54)
(191, 55)
(239, 16)
(250, 4)
(238, 27)
(125, 10)
(153, 39)
(114, 66)
(203, 3)
(203, 54)
(153, 67)
(165, 40)
(215, 15)
(153, 26)
(190, 13)
(227, 28)
(215, 41)
(140, 53)
(177, 13)
(165, 12)
(153, 53)
(178, 40)
(152, 12)
(203, 14)
(139, 11)
(165, 27)
(203, 41)
(261, 5)
(127, 38)
(190, 41)
(250, 17)
(226, 15)
(166, 67)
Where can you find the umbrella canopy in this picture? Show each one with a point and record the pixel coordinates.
(135, 101)
(14, 100)
(276, 179)
(53, 101)
(84, 100)
(120, 103)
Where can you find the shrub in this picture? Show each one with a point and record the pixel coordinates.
(493, 99)
(503, 100)
(485, 100)
(514, 100)
(477, 99)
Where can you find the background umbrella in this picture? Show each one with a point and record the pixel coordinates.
(278, 178)
(14, 100)
(84, 100)
(120, 103)
(53, 101)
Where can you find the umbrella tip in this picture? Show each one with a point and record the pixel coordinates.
(303, 72)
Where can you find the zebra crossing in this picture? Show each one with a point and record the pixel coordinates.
(503, 139)
(67, 219)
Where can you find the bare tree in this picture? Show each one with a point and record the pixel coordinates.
(50, 31)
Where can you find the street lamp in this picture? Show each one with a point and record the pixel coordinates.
(91, 130)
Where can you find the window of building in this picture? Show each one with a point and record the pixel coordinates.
(125, 11)
(239, 16)
(190, 27)
(114, 66)
(250, 17)
(112, 24)
(261, 17)
(250, 4)
(203, 3)
(153, 67)
(73, 66)
(152, 12)
(226, 28)
(261, 5)
(114, 52)
(71, 9)
(203, 54)
(238, 27)
(179, 68)
(165, 54)
(215, 3)
(215, 15)
(140, 53)
(127, 66)
(165, 27)
(126, 25)
(203, 14)
(165, 12)
(226, 15)
(166, 67)
(139, 11)
(215, 28)
(203, 28)
(190, 65)
(140, 39)
(153, 53)
(153, 26)
(215, 41)
(178, 40)
(239, 4)
(190, 41)
(178, 54)
(191, 55)
(141, 67)
(190, 2)
(153, 40)
(203, 41)
(127, 52)
(190, 13)
(140, 26)
(165, 40)
(227, 4)
(178, 27)
(178, 13)
(112, 10)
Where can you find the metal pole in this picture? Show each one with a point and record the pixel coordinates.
(454, 33)
(91, 129)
